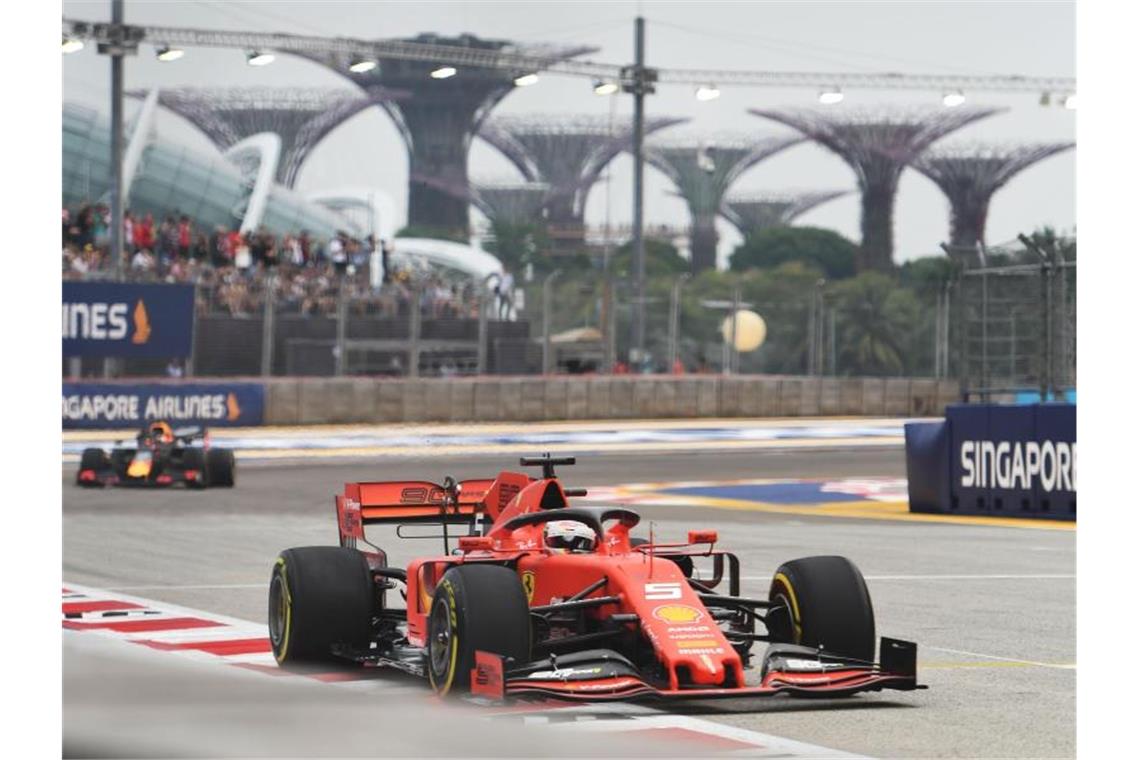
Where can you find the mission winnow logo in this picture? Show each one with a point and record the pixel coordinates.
(106, 321)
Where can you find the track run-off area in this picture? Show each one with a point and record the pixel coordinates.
(164, 598)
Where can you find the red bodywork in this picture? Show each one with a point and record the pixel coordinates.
(649, 589)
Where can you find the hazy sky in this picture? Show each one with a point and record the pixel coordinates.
(1028, 38)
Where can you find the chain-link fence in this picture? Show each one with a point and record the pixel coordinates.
(1015, 328)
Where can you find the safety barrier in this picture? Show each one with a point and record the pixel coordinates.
(995, 459)
(310, 401)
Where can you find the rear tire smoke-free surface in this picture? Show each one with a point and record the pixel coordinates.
(825, 604)
(475, 607)
(319, 597)
(222, 466)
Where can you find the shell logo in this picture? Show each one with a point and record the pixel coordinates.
(677, 613)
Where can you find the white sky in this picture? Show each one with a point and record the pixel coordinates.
(1027, 38)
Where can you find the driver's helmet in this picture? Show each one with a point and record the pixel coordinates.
(570, 535)
(161, 431)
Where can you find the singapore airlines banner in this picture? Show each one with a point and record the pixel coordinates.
(130, 405)
(127, 319)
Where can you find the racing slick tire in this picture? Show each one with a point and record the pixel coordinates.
(319, 597)
(475, 607)
(195, 459)
(222, 467)
(92, 459)
(825, 604)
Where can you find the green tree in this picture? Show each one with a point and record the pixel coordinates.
(825, 249)
(876, 320)
(661, 259)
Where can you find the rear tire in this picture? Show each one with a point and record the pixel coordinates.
(475, 607)
(222, 466)
(825, 605)
(92, 459)
(319, 597)
(195, 459)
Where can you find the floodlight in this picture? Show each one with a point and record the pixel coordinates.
(257, 58)
(708, 92)
(526, 80)
(167, 53)
(443, 72)
(831, 96)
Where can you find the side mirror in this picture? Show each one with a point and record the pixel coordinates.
(702, 536)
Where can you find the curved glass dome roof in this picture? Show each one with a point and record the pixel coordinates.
(174, 180)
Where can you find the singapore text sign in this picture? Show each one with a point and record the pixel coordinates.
(127, 319)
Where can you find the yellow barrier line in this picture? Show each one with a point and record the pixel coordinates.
(866, 510)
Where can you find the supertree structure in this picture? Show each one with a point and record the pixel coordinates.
(568, 152)
(753, 212)
(970, 173)
(442, 114)
(703, 171)
(510, 202)
(301, 117)
(877, 144)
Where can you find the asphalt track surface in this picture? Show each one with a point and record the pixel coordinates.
(992, 609)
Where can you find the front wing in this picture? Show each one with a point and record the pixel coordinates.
(801, 674)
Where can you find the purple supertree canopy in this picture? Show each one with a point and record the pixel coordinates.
(703, 170)
(970, 173)
(301, 117)
(753, 212)
(510, 202)
(442, 115)
(569, 152)
(877, 144)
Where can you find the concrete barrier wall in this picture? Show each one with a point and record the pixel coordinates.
(306, 401)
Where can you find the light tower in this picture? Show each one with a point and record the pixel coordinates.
(300, 117)
(703, 171)
(568, 153)
(753, 212)
(969, 175)
(446, 106)
(877, 144)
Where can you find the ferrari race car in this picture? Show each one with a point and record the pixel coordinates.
(541, 598)
(159, 456)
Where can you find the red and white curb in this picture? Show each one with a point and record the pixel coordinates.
(213, 639)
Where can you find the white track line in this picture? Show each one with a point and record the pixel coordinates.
(995, 577)
(1054, 665)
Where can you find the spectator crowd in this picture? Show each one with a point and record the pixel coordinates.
(235, 270)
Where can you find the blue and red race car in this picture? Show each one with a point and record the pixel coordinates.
(160, 455)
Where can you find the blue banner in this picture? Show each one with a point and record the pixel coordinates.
(130, 405)
(127, 319)
(995, 459)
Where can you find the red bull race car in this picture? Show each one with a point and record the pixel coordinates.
(160, 455)
(541, 598)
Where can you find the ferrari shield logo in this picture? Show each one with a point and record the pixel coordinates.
(528, 585)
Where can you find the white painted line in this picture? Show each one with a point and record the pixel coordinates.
(1054, 665)
(201, 587)
(995, 577)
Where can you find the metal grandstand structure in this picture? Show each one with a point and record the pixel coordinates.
(703, 171)
(301, 117)
(750, 213)
(877, 144)
(442, 114)
(969, 174)
(569, 152)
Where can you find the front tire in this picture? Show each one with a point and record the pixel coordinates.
(825, 604)
(195, 459)
(92, 459)
(475, 607)
(319, 597)
(222, 466)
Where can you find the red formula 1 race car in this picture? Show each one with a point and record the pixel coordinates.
(546, 599)
(160, 455)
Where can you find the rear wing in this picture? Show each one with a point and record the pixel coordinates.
(412, 501)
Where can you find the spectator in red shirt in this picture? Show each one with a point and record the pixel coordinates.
(184, 236)
(144, 232)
